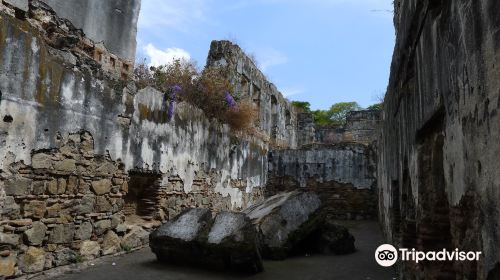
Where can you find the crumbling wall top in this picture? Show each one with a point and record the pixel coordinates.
(112, 22)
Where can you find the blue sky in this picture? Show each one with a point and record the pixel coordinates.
(320, 51)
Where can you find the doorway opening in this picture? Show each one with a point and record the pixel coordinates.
(142, 199)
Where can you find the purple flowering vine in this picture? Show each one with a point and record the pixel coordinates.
(230, 100)
(173, 90)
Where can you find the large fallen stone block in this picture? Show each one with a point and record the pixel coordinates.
(293, 222)
(228, 240)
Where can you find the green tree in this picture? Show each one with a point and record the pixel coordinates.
(377, 106)
(321, 117)
(338, 112)
(302, 106)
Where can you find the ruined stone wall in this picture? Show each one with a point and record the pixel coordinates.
(338, 162)
(277, 118)
(439, 147)
(360, 127)
(62, 34)
(306, 130)
(112, 22)
(62, 208)
(89, 163)
(344, 175)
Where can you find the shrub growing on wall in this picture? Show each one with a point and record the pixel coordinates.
(209, 90)
(242, 116)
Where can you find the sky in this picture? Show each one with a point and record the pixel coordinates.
(319, 51)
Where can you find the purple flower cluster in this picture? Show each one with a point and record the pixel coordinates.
(230, 100)
(173, 90)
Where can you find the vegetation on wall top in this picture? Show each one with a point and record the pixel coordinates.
(337, 113)
(208, 89)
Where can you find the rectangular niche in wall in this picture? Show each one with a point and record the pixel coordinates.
(245, 87)
(141, 201)
(274, 117)
(256, 95)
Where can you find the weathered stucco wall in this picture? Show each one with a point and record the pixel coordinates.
(277, 117)
(112, 22)
(345, 163)
(439, 147)
(72, 135)
(344, 175)
(337, 162)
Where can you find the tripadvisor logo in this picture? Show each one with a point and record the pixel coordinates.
(387, 255)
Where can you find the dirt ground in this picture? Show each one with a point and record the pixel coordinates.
(142, 264)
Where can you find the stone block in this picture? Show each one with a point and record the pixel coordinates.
(102, 186)
(54, 211)
(52, 187)
(66, 165)
(35, 209)
(84, 231)
(10, 208)
(135, 238)
(9, 239)
(102, 226)
(121, 229)
(83, 187)
(4, 252)
(111, 243)
(107, 168)
(117, 181)
(117, 204)
(116, 219)
(102, 204)
(230, 240)
(33, 260)
(18, 186)
(90, 249)
(39, 187)
(21, 222)
(64, 256)
(86, 205)
(284, 220)
(61, 186)
(62, 234)
(35, 235)
(72, 185)
(41, 161)
(49, 261)
(7, 266)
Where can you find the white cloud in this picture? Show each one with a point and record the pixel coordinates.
(268, 57)
(159, 57)
(291, 91)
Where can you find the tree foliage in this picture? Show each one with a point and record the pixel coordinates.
(338, 112)
(302, 106)
(336, 115)
(377, 106)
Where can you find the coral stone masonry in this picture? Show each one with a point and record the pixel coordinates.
(90, 164)
(439, 152)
